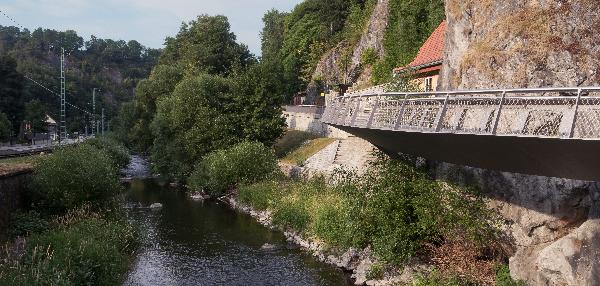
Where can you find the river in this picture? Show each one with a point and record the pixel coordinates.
(188, 242)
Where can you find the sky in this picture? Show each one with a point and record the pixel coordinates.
(147, 21)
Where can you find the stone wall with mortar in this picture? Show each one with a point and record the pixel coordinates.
(311, 122)
(12, 187)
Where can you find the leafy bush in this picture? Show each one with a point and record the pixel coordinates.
(206, 113)
(503, 277)
(368, 57)
(74, 176)
(83, 249)
(376, 271)
(401, 211)
(25, 223)
(333, 219)
(394, 208)
(244, 163)
(436, 279)
(115, 150)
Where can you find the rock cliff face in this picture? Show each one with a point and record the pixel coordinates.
(328, 68)
(521, 43)
(555, 223)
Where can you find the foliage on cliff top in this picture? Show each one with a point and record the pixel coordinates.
(113, 66)
(299, 39)
(410, 24)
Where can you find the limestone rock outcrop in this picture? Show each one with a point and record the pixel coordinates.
(328, 68)
(521, 43)
(554, 223)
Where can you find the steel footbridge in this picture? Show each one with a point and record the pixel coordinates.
(552, 132)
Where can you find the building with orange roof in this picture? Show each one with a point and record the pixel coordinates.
(426, 66)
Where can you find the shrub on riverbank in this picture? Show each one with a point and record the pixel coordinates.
(72, 177)
(81, 248)
(244, 163)
(394, 208)
(114, 149)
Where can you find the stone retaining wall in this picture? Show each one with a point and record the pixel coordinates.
(308, 119)
(12, 187)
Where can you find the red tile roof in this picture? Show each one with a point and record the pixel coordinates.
(432, 50)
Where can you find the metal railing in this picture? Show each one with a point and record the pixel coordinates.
(539, 112)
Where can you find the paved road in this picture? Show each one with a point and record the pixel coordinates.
(21, 149)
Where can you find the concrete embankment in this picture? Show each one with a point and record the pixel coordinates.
(12, 188)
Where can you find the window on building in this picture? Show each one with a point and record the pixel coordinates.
(429, 84)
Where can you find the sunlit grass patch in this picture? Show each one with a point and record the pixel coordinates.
(290, 141)
(16, 164)
(300, 155)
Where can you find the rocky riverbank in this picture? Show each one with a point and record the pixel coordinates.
(359, 262)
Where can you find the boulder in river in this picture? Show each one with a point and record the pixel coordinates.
(268, 247)
(156, 206)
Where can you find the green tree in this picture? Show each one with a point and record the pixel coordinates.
(11, 87)
(113, 66)
(5, 127)
(161, 83)
(192, 122)
(205, 45)
(272, 35)
(207, 113)
(258, 107)
(123, 124)
(35, 114)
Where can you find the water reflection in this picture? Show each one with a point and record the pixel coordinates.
(194, 243)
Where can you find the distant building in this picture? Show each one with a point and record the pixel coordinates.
(299, 98)
(426, 67)
(52, 128)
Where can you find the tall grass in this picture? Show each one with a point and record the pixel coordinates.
(394, 208)
(76, 232)
(82, 248)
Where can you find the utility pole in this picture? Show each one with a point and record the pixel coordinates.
(94, 127)
(102, 121)
(63, 124)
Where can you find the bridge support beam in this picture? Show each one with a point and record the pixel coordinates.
(550, 157)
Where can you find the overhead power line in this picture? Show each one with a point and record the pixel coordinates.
(12, 20)
(57, 94)
(37, 83)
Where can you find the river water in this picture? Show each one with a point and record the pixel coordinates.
(188, 242)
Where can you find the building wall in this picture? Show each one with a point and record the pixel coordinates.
(308, 119)
(421, 81)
